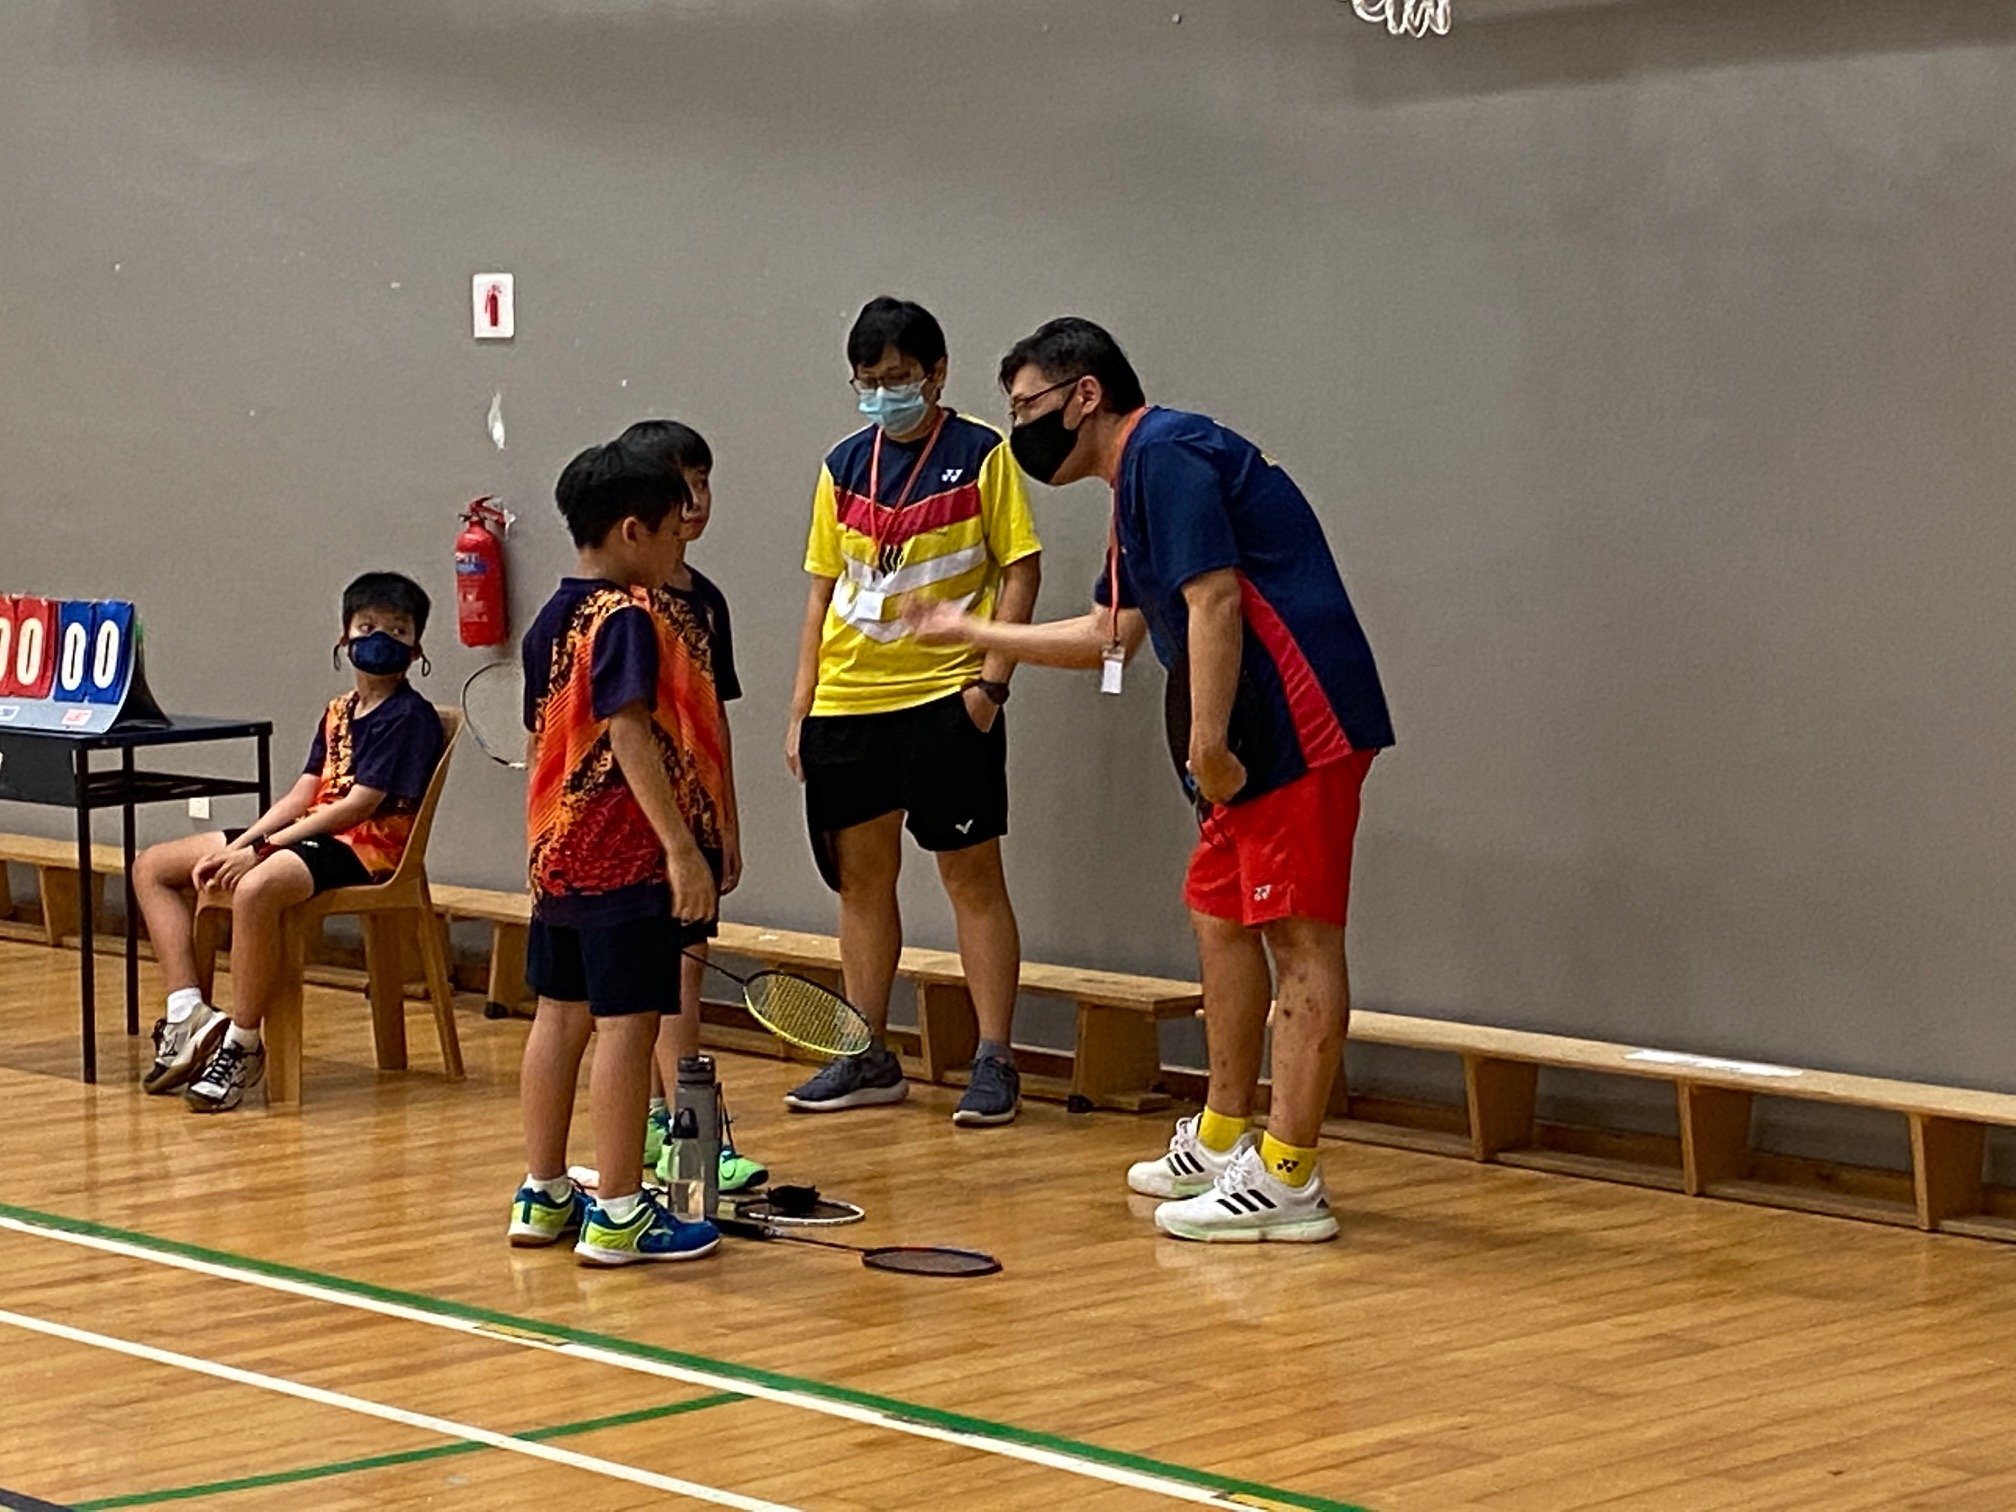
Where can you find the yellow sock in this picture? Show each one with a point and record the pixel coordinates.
(1289, 1164)
(1218, 1132)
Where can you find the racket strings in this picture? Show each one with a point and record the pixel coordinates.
(806, 1014)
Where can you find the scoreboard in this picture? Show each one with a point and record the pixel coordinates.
(72, 666)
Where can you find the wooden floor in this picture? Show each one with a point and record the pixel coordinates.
(318, 1310)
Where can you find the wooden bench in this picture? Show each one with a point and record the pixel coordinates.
(1715, 1100)
(55, 864)
(1117, 1064)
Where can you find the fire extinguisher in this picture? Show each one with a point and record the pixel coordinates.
(479, 574)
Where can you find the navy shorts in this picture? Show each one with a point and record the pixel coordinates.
(616, 969)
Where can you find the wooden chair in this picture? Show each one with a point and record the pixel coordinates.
(391, 911)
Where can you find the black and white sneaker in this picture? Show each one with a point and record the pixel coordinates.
(994, 1096)
(870, 1079)
(231, 1073)
(1186, 1168)
(180, 1048)
(1248, 1205)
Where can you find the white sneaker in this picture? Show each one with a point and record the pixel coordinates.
(181, 1050)
(1246, 1205)
(1185, 1168)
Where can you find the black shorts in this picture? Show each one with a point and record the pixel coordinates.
(331, 864)
(616, 969)
(931, 763)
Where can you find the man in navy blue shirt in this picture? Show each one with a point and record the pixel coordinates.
(1274, 715)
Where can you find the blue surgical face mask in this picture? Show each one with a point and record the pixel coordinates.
(898, 410)
(380, 654)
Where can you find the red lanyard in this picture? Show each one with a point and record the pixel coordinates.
(1113, 523)
(877, 533)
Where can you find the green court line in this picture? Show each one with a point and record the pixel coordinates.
(405, 1457)
(1232, 1488)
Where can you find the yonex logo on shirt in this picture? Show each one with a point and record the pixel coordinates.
(952, 475)
(1262, 893)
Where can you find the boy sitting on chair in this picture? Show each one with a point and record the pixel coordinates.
(626, 814)
(344, 823)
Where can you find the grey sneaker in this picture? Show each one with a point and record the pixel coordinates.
(994, 1096)
(232, 1073)
(180, 1048)
(866, 1080)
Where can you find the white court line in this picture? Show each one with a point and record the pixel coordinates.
(443, 1426)
(1035, 1454)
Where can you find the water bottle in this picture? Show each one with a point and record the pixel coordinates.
(686, 1192)
(699, 1095)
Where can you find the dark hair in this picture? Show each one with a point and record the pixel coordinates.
(610, 483)
(393, 592)
(900, 323)
(1073, 347)
(680, 445)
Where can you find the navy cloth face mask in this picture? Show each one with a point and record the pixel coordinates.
(381, 654)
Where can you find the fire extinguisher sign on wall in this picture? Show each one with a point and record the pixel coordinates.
(479, 574)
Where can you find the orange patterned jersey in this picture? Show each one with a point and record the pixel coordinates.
(595, 649)
(393, 748)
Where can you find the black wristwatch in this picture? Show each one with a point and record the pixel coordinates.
(997, 692)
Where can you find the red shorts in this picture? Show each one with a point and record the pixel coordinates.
(1286, 855)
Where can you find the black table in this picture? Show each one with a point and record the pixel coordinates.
(50, 767)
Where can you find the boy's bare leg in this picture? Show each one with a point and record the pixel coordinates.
(679, 1033)
(167, 901)
(546, 1081)
(990, 944)
(870, 857)
(268, 890)
(619, 1085)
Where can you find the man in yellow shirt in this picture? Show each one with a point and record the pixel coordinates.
(886, 731)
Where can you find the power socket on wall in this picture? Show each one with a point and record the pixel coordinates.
(199, 808)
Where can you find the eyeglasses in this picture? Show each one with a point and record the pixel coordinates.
(1018, 407)
(863, 386)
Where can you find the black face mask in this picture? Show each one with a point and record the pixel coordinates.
(1042, 445)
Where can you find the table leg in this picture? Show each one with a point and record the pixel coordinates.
(132, 913)
(265, 773)
(87, 946)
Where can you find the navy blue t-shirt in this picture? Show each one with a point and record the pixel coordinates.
(1193, 498)
(394, 748)
(712, 605)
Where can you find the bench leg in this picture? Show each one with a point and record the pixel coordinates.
(1946, 1168)
(507, 969)
(282, 1030)
(1714, 1136)
(947, 1027)
(1500, 1097)
(206, 940)
(440, 990)
(1119, 1060)
(60, 916)
(384, 965)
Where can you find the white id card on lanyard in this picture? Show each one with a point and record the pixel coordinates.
(868, 604)
(1112, 668)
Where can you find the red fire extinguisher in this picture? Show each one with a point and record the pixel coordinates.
(479, 574)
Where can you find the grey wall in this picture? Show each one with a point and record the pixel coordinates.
(1650, 363)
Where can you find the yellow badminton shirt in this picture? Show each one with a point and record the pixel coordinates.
(951, 514)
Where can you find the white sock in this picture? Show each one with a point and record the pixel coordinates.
(622, 1209)
(183, 1003)
(244, 1039)
(557, 1188)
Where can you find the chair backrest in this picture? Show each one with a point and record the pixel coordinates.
(413, 860)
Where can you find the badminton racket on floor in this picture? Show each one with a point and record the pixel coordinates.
(794, 1008)
(905, 1259)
